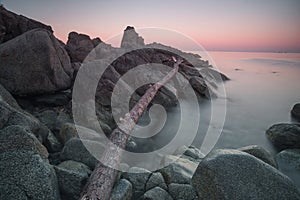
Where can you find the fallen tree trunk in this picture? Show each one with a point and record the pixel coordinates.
(102, 179)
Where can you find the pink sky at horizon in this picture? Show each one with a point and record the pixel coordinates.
(257, 25)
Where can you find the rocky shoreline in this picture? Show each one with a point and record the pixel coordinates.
(42, 157)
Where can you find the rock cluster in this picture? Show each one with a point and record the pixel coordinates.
(43, 156)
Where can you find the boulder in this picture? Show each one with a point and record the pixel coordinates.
(182, 191)
(13, 25)
(11, 114)
(80, 45)
(69, 130)
(180, 170)
(25, 175)
(296, 111)
(75, 150)
(131, 39)
(52, 143)
(20, 138)
(156, 179)
(34, 63)
(284, 136)
(156, 193)
(72, 177)
(138, 177)
(233, 174)
(289, 157)
(122, 190)
(260, 153)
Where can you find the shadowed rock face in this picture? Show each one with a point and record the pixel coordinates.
(13, 25)
(80, 45)
(131, 39)
(34, 63)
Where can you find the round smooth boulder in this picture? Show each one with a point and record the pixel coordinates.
(284, 136)
(233, 174)
(296, 111)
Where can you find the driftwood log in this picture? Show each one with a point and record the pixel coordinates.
(101, 181)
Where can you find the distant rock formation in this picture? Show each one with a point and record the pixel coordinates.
(34, 63)
(13, 25)
(80, 45)
(131, 39)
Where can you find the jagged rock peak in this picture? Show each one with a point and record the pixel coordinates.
(131, 38)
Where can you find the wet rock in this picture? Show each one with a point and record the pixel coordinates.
(260, 153)
(284, 136)
(35, 63)
(296, 111)
(75, 150)
(290, 157)
(138, 178)
(156, 193)
(232, 174)
(25, 175)
(182, 191)
(13, 25)
(122, 190)
(156, 179)
(72, 177)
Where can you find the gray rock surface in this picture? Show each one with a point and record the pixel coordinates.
(260, 153)
(156, 193)
(180, 170)
(138, 177)
(296, 111)
(182, 191)
(13, 25)
(290, 157)
(25, 175)
(75, 150)
(131, 39)
(156, 179)
(20, 138)
(232, 174)
(284, 136)
(122, 190)
(34, 63)
(72, 177)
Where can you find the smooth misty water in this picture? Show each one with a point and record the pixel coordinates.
(261, 92)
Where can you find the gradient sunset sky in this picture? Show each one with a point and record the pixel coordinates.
(232, 25)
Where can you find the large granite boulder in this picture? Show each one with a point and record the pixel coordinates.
(25, 175)
(80, 45)
(34, 63)
(296, 111)
(13, 25)
(232, 174)
(284, 136)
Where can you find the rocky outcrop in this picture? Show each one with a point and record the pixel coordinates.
(80, 45)
(13, 25)
(131, 39)
(72, 177)
(296, 111)
(284, 136)
(34, 63)
(260, 153)
(232, 174)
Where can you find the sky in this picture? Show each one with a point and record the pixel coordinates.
(227, 25)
